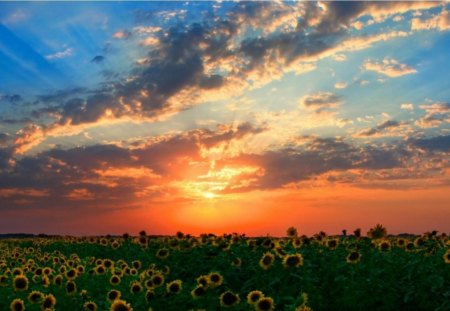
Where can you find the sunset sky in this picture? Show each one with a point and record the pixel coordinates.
(224, 117)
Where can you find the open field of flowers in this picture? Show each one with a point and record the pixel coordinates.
(234, 272)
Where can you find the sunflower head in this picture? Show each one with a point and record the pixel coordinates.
(198, 292)
(120, 305)
(162, 253)
(49, 302)
(292, 261)
(332, 243)
(135, 287)
(353, 257)
(266, 260)
(158, 279)
(203, 280)
(254, 296)
(174, 287)
(215, 279)
(447, 257)
(228, 299)
(20, 283)
(35, 297)
(90, 306)
(265, 304)
(384, 246)
(149, 295)
(291, 232)
(17, 305)
(113, 295)
(114, 280)
(71, 287)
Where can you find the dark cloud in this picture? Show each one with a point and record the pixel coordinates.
(380, 128)
(98, 59)
(438, 143)
(13, 99)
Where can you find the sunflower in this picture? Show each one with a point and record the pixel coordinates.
(215, 279)
(45, 281)
(291, 232)
(149, 295)
(158, 279)
(198, 292)
(162, 253)
(71, 287)
(203, 280)
(100, 270)
(49, 302)
(120, 305)
(17, 305)
(90, 306)
(20, 283)
(35, 297)
(228, 299)
(135, 287)
(447, 256)
(136, 264)
(292, 261)
(58, 280)
(332, 243)
(265, 304)
(419, 242)
(297, 243)
(237, 262)
(174, 287)
(353, 257)
(254, 296)
(113, 295)
(114, 280)
(409, 246)
(401, 242)
(266, 260)
(303, 308)
(3, 280)
(384, 246)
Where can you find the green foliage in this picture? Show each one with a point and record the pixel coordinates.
(395, 278)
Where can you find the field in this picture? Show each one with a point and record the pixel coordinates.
(234, 272)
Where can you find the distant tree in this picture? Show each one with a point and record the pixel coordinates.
(377, 232)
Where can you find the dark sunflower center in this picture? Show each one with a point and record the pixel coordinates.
(292, 261)
(174, 288)
(199, 291)
(267, 260)
(353, 256)
(229, 299)
(264, 304)
(21, 283)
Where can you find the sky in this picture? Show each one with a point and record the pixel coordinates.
(226, 116)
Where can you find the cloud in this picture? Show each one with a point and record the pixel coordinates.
(98, 59)
(439, 22)
(407, 106)
(320, 101)
(436, 114)
(189, 64)
(340, 85)
(58, 55)
(122, 34)
(438, 143)
(389, 67)
(386, 128)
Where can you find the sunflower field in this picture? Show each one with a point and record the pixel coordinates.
(230, 272)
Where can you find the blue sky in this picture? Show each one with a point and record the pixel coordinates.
(250, 86)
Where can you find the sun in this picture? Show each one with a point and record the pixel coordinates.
(209, 195)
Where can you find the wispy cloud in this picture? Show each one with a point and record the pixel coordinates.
(389, 67)
(58, 55)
